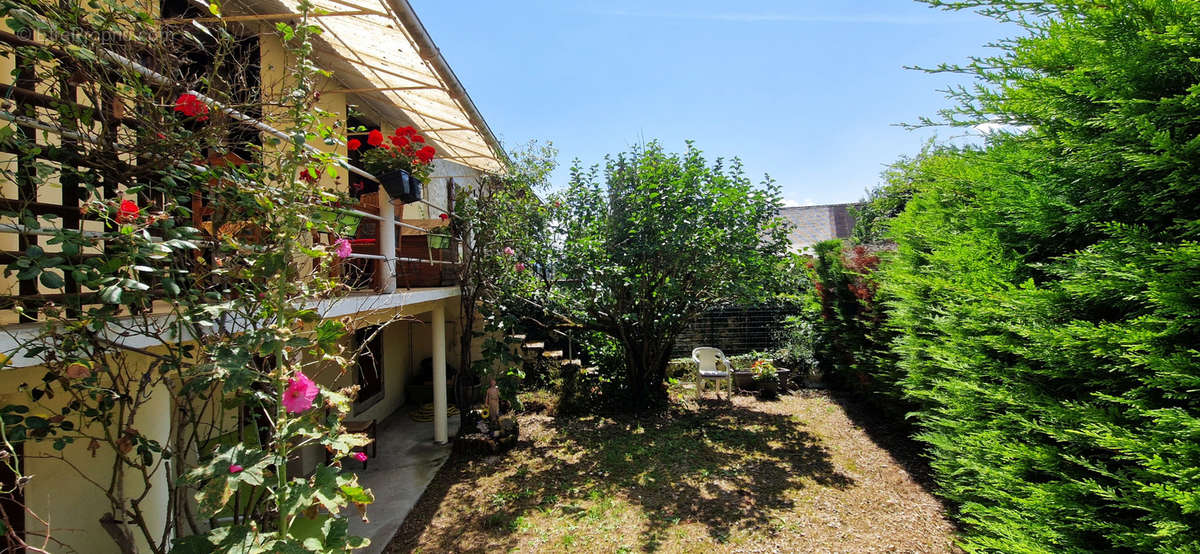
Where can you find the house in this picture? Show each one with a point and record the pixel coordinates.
(385, 72)
(812, 224)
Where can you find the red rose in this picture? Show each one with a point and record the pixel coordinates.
(374, 138)
(445, 217)
(188, 104)
(128, 211)
(353, 144)
(309, 177)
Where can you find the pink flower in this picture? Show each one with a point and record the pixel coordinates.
(342, 248)
(234, 468)
(445, 217)
(508, 251)
(360, 456)
(300, 393)
(520, 266)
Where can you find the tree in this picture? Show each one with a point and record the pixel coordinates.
(499, 222)
(644, 245)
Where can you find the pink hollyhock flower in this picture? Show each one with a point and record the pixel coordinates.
(508, 251)
(445, 217)
(520, 266)
(342, 248)
(128, 211)
(234, 468)
(300, 393)
(360, 456)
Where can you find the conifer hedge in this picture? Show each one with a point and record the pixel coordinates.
(1045, 289)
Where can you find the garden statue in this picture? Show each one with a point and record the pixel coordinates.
(492, 401)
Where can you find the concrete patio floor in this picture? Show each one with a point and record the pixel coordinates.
(406, 463)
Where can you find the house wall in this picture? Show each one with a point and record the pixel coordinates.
(813, 224)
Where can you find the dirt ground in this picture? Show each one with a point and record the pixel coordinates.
(807, 473)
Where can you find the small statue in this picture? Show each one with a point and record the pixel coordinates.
(492, 401)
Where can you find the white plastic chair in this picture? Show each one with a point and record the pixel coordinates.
(706, 359)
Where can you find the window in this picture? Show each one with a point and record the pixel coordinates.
(369, 377)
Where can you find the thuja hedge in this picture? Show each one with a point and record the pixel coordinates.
(1045, 289)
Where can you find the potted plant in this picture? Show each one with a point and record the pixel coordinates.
(766, 376)
(342, 223)
(402, 162)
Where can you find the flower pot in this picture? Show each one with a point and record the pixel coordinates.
(341, 223)
(744, 379)
(768, 388)
(401, 185)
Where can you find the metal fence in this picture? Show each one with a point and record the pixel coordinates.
(734, 329)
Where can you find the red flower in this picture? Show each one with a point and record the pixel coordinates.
(406, 131)
(309, 177)
(425, 154)
(375, 138)
(234, 468)
(418, 138)
(445, 217)
(353, 144)
(188, 104)
(360, 456)
(128, 211)
(399, 141)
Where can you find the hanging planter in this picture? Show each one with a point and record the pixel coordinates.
(339, 222)
(402, 162)
(401, 185)
(439, 237)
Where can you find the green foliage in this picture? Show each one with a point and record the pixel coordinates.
(645, 243)
(1044, 289)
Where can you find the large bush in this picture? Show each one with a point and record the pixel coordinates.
(1046, 288)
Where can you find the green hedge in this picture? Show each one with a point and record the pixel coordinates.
(1045, 290)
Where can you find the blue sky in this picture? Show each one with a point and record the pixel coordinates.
(805, 91)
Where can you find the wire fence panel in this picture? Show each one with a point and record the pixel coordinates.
(734, 329)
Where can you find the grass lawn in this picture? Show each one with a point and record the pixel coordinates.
(796, 475)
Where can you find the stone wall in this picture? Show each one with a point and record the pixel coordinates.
(813, 224)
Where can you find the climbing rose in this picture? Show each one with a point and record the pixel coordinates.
(188, 104)
(360, 456)
(508, 251)
(308, 177)
(520, 266)
(128, 211)
(234, 468)
(445, 217)
(300, 393)
(353, 144)
(342, 248)
(375, 138)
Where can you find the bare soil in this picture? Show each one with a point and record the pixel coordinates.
(794, 475)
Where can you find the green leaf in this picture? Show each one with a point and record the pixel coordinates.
(52, 280)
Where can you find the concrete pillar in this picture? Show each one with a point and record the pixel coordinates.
(387, 242)
(440, 423)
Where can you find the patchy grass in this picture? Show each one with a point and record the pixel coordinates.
(793, 475)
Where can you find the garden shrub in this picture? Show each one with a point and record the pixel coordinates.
(1045, 288)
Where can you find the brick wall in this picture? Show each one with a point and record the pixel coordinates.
(813, 224)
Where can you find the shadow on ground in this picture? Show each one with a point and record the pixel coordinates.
(722, 466)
